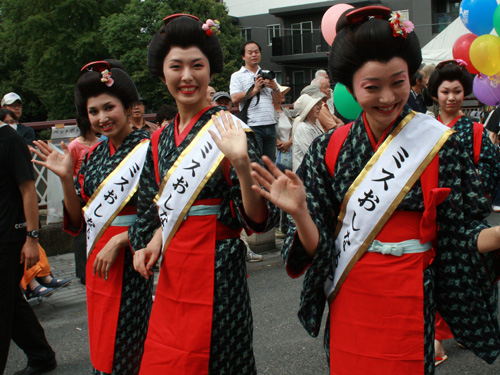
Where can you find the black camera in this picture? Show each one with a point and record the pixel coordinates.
(267, 74)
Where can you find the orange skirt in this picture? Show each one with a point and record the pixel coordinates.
(377, 318)
(103, 305)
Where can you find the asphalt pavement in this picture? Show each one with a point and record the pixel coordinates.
(282, 346)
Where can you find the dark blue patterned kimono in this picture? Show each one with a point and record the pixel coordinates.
(489, 158)
(231, 350)
(136, 294)
(457, 280)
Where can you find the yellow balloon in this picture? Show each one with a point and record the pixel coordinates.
(484, 54)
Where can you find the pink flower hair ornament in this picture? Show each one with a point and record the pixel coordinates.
(400, 26)
(211, 27)
(106, 78)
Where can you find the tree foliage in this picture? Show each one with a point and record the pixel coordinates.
(45, 43)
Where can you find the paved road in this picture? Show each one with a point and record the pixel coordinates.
(282, 346)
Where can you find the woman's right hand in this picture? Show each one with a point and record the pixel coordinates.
(144, 260)
(285, 190)
(60, 164)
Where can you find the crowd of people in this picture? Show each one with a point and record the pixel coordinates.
(385, 216)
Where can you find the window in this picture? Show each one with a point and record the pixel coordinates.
(301, 36)
(273, 31)
(246, 34)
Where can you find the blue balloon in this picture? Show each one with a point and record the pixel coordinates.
(477, 15)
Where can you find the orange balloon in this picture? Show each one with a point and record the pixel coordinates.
(484, 54)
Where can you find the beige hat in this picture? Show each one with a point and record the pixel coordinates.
(283, 89)
(305, 103)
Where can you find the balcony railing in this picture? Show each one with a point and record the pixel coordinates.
(299, 44)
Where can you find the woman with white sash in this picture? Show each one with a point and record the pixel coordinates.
(196, 187)
(118, 299)
(448, 85)
(374, 204)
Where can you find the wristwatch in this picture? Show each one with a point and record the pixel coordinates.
(33, 233)
(276, 89)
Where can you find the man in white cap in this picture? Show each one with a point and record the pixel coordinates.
(13, 102)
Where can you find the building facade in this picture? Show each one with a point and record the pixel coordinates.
(290, 32)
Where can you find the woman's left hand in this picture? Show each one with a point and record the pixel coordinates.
(108, 254)
(232, 140)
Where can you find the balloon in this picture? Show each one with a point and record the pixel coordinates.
(345, 103)
(461, 50)
(476, 15)
(485, 92)
(485, 54)
(496, 20)
(329, 21)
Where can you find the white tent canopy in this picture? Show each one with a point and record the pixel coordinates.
(440, 48)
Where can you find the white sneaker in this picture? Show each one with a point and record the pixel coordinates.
(495, 208)
(252, 257)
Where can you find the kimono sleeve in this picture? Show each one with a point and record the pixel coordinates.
(322, 208)
(489, 165)
(237, 200)
(464, 292)
(141, 232)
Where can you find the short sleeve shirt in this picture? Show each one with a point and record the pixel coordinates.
(15, 168)
(261, 113)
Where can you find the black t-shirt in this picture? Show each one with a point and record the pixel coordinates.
(493, 121)
(15, 168)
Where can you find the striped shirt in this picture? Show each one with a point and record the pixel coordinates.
(262, 113)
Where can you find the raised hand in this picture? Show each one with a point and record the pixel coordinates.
(231, 140)
(60, 164)
(285, 190)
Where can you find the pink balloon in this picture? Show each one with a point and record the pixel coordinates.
(330, 19)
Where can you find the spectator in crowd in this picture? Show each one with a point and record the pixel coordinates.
(19, 250)
(13, 102)
(37, 281)
(165, 115)
(307, 126)
(329, 102)
(222, 98)
(210, 94)
(261, 90)
(137, 120)
(326, 118)
(418, 83)
(78, 148)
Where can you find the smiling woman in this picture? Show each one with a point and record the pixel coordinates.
(383, 209)
(118, 299)
(195, 198)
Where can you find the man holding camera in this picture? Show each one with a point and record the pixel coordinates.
(260, 89)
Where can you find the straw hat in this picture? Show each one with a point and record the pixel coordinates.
(283, 89)
(304, 104)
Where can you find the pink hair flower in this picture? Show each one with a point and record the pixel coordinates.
(211, 27)
(106, 78)
(408, 26)
(461, 62)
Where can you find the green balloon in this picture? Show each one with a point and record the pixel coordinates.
(496, 20)
(345, 103)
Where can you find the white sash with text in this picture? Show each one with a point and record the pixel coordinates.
(185, 179)
(379, 189)
(113, 194)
